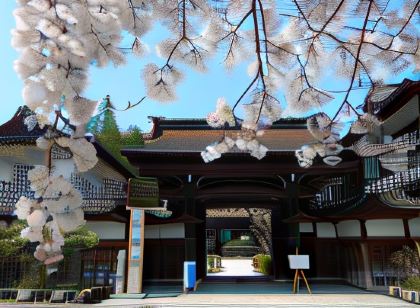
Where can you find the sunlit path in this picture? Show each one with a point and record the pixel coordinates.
(192, 300)
(236, 267)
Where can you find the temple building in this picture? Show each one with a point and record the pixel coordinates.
(348, 218)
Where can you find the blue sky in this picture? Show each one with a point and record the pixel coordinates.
(197, 93)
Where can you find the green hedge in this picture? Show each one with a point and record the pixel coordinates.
(264, 262)
(411, 284)
(239, 243)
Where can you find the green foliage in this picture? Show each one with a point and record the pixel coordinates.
(264, 264)
(10, 241)
(406, 261)
(106, 131)
(29, 281)
(411, 283)
(239, 243)
(32, 276)
(133, 137)
(67, 286)
(81, 238)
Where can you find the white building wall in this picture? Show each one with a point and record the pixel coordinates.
(164, 231)
(64, 167)
(107, 230)
(306, 227)
(349, 228)
(325, 230)
(385, 227)
(414, 225)
(6, 167)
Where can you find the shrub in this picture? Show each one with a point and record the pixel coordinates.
(239, 243)
(411, 283)
(406, 261)
(10, 241)
(264, 263)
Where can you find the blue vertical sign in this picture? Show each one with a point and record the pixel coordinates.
(136, 248)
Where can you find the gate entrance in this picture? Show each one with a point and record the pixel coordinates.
(238, 242)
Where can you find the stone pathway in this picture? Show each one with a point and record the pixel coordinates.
(236, 267)
(194, 300)
(257, 301)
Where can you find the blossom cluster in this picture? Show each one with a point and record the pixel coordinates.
(245, 140)
(55, 210)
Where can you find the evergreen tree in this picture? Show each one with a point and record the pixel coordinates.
(105, 127)
(106, 131)
(133, 137)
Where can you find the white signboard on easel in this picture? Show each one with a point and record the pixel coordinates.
(298, 261)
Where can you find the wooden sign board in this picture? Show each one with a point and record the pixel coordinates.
(143, 193)
(298, 261)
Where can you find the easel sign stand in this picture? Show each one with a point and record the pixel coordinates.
(299, 263)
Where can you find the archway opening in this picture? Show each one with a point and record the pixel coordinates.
(238, 242)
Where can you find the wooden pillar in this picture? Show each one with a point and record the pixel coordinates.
(279, 244)
(194, 233)
(285, 237)
(292, 209)
(200, 229)
(366, 267)
(190, 232)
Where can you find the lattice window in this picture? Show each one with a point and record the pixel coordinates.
(100, 199)
(60, 153)
(10, 192)
(96, 199)
(339, 192)
(211, 240)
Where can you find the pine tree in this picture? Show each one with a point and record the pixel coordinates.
(105, 127)
(133, 137)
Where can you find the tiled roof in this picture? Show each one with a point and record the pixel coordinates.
(194, 140)
(382, 93)
(15, 131)
(382, 98)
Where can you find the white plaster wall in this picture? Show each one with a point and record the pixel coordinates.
(64, 167)
(409, 112)
(306, 227)
(385, 227)
(176, 230)
(349, 228)
(107, 230)
(325, 230)
(6, 168)
(34, 156)
(414, 225)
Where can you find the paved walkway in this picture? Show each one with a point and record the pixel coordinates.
(266, 301)
(236, 267)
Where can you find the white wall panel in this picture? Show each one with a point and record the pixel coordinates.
(325, 230)
(306, 227)
(349, 228)
(385, 227)
(107, 230)
(414, 225)
(6, 168)
(164, 231)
